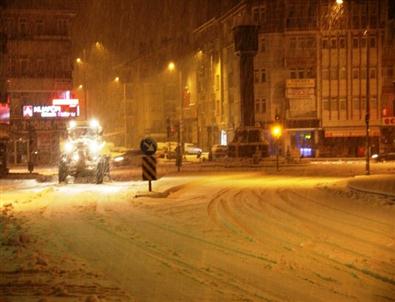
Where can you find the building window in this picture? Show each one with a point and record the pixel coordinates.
(256, 76)
(372, 42)
(300, 74)
(355, 73)
(325, 104)
(293, 74)
(260, 106)
(342, 42)
(23, 26)
(334, 73)
(325, 44)
(343, 103)
(309, 73)
(292, 43)
(259, 14)
(390, 72)
(355, 102)
(334, 104)
(363, 42)
(355, 42)
(263, 75)
(24, 67)
(39, 27)
(373, 102)
(217, 82)
(363, 104)
(372, 72)
(325, 74)
(343, 73)
(333, 43)
(363, 73)
(263, 45)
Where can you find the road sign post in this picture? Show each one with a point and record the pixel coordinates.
(148, 146)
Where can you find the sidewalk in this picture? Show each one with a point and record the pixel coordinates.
(378, 184)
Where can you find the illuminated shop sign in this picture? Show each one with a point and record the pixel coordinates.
(50, 111)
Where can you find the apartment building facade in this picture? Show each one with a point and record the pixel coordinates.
(38, 70)
(311, 72)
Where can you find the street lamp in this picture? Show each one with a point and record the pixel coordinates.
(171, 67)
(276, 131)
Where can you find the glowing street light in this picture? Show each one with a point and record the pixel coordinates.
(116, 79)
(277, 131)
(171, 66)
(78, 60)
(339, 2)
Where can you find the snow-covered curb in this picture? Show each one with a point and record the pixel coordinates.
(362, 184)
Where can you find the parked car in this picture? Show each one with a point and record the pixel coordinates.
(218, 151)
(128, 158)
(380, 157)
(191, 149)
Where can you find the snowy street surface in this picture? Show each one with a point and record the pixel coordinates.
(210, 234)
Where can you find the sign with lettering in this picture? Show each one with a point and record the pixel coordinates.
(50, 111)
(300, 83)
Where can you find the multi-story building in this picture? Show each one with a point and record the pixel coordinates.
(311, 72)
(38, 70)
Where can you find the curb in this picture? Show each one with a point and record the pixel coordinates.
(386, 194)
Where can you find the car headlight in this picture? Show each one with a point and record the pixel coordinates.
(68, 147)
(75, 157)
(94, 147)
(119, 158)
(375, 155)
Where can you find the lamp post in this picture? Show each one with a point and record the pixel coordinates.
(367, 116)
(83, 65)
(276, 133)
(180, 148)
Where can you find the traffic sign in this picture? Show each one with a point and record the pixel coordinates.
(148, 146)
(149, 169)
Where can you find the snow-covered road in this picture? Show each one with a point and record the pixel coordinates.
(234, 236)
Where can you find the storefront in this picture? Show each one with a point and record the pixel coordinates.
(339, 142)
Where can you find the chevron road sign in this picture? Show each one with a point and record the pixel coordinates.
(149, 169)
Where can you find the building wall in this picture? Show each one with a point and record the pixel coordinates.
(38, 69)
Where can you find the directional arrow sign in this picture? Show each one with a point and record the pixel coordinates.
(148, 146)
